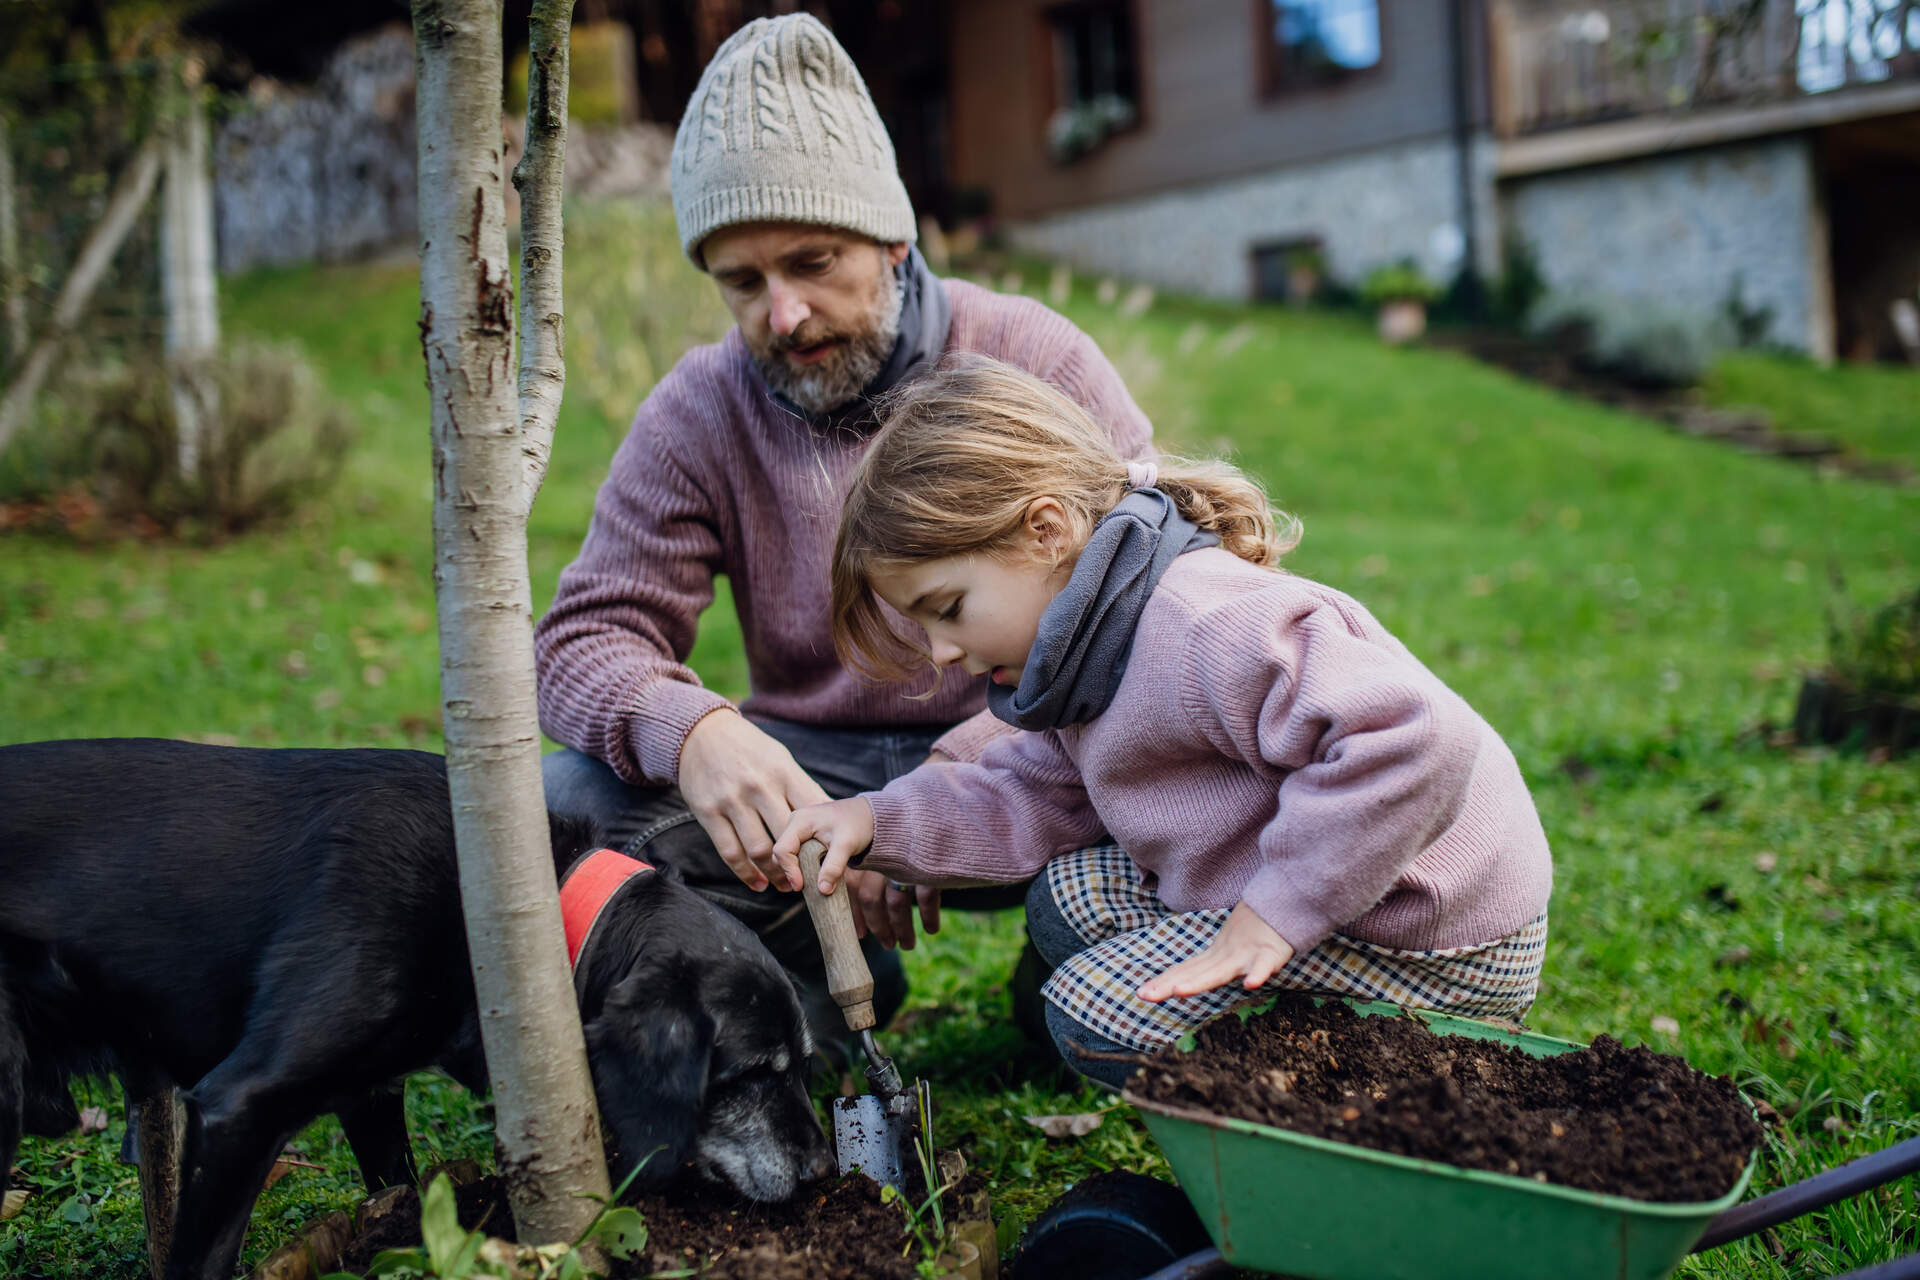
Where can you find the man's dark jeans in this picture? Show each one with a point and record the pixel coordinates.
(654, 824)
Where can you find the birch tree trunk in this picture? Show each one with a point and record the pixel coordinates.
(13, 297)
(489, 455)
(123, 208)
(186, 240)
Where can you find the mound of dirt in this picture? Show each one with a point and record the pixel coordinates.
(1627, 1122)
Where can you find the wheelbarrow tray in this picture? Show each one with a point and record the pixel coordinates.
(1284, 1202)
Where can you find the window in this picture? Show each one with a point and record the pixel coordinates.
(1095, 76)
(1311, 42)
(1288, 270)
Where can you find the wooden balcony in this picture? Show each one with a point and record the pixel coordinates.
(1557, 65)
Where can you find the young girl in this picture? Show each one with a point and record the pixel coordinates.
(1288, 797)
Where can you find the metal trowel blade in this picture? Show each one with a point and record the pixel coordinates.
(876, 1134)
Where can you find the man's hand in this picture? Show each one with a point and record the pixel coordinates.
(884, 907)
(844, 826)
(742, 786)
(1248, 948)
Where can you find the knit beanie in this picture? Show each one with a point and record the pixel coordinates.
(781, 129)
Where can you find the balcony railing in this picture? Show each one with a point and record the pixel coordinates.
(1555, 64)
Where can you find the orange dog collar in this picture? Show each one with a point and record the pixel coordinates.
(587, 890)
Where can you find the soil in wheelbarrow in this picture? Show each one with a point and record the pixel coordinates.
(1628, 1122)
(835, 1229)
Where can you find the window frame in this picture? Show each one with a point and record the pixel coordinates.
(1050, 21)
(1272, 81)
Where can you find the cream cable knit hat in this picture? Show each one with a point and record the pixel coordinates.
(781, 129)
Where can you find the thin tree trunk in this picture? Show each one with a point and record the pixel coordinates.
(129, 195)
(193, 303)
(539, 180)
(547, 1129)
(13, 298)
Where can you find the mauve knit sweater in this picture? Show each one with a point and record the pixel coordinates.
(1270, 742)
(714, 477)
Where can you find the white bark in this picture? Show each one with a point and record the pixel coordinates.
(187, 270)
(129, 195)
(539, 180)
(547, 1129)
(13, 298)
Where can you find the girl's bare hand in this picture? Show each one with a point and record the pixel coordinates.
(1248, 948)
(844, 826)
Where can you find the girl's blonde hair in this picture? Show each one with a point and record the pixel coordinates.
(961, 454)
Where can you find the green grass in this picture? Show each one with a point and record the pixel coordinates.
(1630, 607)
(1872, 409)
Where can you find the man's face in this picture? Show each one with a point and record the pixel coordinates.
(818, 307)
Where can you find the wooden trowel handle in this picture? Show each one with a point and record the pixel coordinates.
(848, 977)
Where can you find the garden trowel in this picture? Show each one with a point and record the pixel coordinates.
(875, 1131)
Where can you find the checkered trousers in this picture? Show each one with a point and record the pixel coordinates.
(1132, 936)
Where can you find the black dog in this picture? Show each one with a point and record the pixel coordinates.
(279, 934)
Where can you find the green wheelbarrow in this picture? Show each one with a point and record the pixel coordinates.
(1285, 1203)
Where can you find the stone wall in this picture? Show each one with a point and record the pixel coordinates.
(322, 173)
(1365, 209)
(1678, 230)
(329, 172)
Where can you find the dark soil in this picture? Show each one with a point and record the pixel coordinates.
(836, 1229)
(1628, 1122)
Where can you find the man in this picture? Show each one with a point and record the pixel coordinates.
(786, 193)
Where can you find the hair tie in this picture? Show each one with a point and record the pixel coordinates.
(1142, 475)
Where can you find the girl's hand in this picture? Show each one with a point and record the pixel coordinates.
(844, 826)
(1247, 948)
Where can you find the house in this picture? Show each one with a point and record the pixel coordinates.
(1714, 157)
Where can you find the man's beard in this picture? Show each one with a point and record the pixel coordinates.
(849, 367)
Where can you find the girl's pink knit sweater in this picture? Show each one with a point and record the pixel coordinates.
(1270, 742)
(716, 478)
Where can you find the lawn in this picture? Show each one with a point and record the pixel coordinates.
(1630, 607)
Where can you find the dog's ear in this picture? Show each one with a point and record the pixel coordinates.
(649, 1055)
(572, 834)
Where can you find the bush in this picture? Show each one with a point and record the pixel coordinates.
(1397, 282)
(1878, 653)
(1521, 285)
(269, 441)
(1634, 342)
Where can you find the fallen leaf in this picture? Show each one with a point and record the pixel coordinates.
(1665, 1026)
(1733, 957)
(1765, 862)
(1073, 1126)
(281, 1168)
(14, 1203)
(93, 1119)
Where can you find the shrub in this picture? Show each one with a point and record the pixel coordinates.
(1878, 653)
(1634, 342)
(1397, 282)
(1521, 285)
(1748, 323)
(269, 441)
